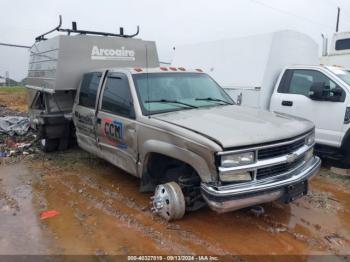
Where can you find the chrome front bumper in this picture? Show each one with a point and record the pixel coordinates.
(233, 197)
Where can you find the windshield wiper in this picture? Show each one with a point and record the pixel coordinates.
(170, 101)
(214, 99)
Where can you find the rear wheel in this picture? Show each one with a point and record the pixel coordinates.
(49, 145)
(169, 201)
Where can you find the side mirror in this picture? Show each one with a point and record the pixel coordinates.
(317, 91)
(320, 92)
(336, 95)
(337, 91)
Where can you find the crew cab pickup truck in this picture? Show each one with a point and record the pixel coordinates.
(184, 137)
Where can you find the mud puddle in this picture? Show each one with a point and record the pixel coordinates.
(21, 230)
(102, 212)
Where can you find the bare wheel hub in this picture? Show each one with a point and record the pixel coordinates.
(168, 201)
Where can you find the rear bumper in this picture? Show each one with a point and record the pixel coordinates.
(233, 197)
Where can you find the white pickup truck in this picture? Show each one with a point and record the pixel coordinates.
(280, 72)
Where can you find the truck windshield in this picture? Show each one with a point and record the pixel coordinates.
(166, 92)
(342, 74)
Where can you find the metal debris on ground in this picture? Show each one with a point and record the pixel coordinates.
(14, 125)
(335, 239)
(257, 210)
(276, 230)
(16, 136)
(17, 145)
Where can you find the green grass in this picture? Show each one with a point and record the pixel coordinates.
(12, 89)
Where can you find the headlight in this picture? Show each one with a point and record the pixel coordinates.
(309, 154)
(310, 139)
(237, 159)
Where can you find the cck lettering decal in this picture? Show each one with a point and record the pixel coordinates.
(113, 130)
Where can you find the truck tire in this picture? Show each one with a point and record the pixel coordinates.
(169, 202)
(49, 145)
(63, 144)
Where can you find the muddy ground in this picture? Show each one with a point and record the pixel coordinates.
(102, 212)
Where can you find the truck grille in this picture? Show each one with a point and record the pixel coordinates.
(280, 150)
(270, 171)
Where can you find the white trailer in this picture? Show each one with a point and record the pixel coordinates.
(248, 67)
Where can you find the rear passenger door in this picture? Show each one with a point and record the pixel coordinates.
(85, 109)
(116, 125)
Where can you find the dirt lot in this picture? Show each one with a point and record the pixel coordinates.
(102, 212)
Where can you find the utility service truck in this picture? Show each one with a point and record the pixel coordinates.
(280, 72)
(173, 127)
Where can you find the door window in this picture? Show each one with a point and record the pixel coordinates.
(116, 97)
(300, 82)
(88, 89)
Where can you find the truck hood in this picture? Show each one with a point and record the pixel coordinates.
(235, 126)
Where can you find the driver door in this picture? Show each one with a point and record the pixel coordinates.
(293, 97)
(116, 123)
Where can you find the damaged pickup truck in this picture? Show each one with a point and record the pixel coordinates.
(176, 129)
(184, 137)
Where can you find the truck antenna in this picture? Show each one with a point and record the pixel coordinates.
(338, 16)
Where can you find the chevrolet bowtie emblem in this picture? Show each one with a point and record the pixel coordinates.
(291, 157)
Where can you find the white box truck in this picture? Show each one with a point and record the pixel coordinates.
(280, 72)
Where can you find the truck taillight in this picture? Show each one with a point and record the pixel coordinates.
(199, 70)
(347, 116)
(173, 68)
(163, 68)
(138, 69)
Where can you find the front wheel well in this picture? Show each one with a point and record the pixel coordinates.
(158, 165)
(162, 169)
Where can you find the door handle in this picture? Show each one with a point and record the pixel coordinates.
(287, 103)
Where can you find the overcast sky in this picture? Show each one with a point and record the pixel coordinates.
(169, 23)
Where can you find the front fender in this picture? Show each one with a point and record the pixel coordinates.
(194, 160)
